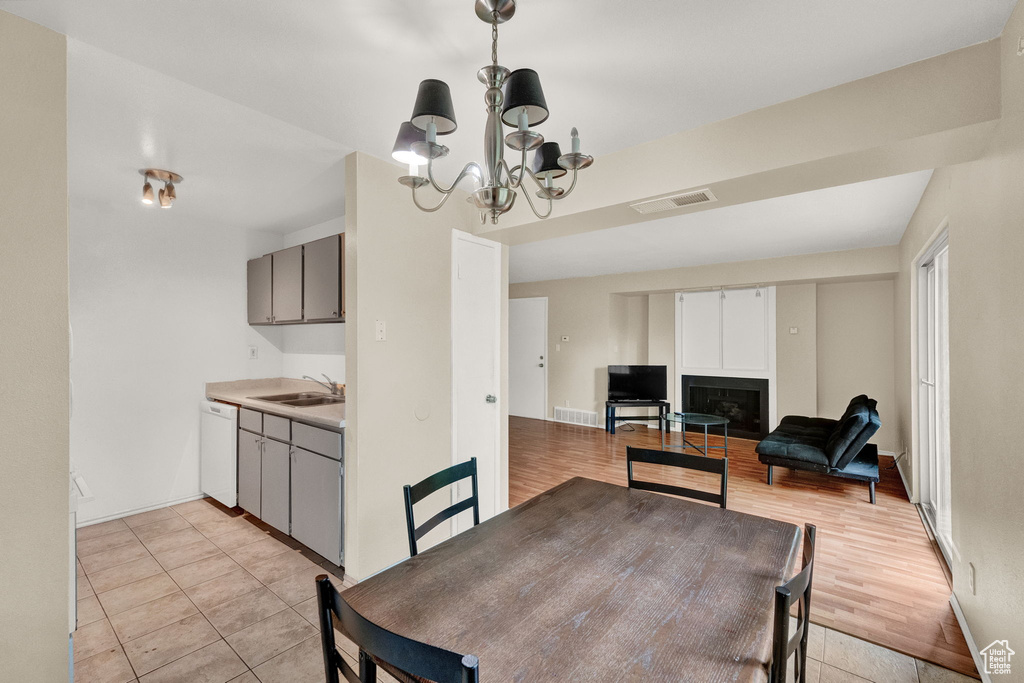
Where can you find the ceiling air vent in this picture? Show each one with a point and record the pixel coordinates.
(676, 201)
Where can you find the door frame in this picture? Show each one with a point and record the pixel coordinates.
(547, 356)
(458, 235)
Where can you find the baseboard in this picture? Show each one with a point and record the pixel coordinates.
(135, 511)
(903, 478)
(972, 645)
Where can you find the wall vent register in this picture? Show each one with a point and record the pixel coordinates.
(676, 201)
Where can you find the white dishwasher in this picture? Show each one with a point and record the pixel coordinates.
(218, 433)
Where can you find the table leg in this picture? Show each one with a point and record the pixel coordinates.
(725, 450)
(705, 453)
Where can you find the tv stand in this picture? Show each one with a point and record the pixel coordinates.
(610, 407)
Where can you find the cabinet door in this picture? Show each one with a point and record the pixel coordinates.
(249, 466)
(316, 503)
(259, 273)
(275, 485)
(321, 276)
(287, 285)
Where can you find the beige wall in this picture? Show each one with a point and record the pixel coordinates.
(399, 420)
(34, 561)
(796, 357)
(855, 351)
(984, 205)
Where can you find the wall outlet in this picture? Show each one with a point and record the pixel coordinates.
(1020, 46)
(794, 330)
(566, 403)
(254, 352)
(382, 331)
(971, 578)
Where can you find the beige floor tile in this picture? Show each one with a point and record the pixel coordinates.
(192, 506)
(219, 590)
(95, 530)
(242, 537)
(134, 594)
(247, 677)
(89, 610)
(221, 526)
(106, 542)
(109, 666)
(932, 673)
(259, 642)
(79, 567)
(830, 674)
(164, 526)
(215, 663)
(304, 663)
(169, 643)
(84, 587)
(173, 540)
(112, 558)
(262, 549)
(93, 638)
(815, 639)
(813, 670)
(309, 610)
(151, 616)
(209, 513)
(150, 517)
(193, 552)
(234, 615)
(123, 574)
(278, 567)
(867, 660)
(297, 587)
(203, 570)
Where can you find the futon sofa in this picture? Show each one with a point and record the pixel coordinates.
(838, 448)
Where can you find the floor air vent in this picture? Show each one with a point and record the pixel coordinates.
(587, 418)
(677, 201)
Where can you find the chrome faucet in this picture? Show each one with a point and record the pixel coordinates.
(333, 386)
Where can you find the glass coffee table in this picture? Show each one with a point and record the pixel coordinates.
(699, 419)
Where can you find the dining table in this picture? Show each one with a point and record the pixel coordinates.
(591, 581)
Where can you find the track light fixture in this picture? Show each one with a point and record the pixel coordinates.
(167, 193)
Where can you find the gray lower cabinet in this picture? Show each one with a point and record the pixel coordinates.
(259, 282)
(287, 285)
(276, 503)
(316, 503)
(250, 483)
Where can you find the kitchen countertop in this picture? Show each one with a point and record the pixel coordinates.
(242, 391)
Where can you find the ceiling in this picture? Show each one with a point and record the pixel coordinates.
(313, 80)
(869, 214)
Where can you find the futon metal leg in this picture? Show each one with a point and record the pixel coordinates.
(769, 475)
(871, 490)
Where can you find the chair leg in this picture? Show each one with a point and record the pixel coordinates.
(871, 490)
(769, 475)
(367, 668)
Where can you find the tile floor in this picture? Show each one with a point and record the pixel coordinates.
(197, 592)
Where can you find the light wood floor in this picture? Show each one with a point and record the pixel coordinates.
(877, 576)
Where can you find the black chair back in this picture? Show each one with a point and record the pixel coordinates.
(416, 492)
(376, 643)
(702, 463)
(797, 589)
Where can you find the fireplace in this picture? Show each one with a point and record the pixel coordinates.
(743, 400)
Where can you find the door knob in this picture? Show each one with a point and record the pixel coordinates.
(540, 365)
(491, 398)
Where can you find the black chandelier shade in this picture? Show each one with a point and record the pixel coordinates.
(434, 102)
(545, 161)
(402, 152)
(523, 92)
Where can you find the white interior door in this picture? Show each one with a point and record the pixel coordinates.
(476, 378)
(528, 357)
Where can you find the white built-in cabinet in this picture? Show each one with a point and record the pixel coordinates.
(728, 330)
(301, 284)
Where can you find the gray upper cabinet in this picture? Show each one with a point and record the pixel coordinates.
(259, 287)
(303, 284)
(287, 285)
(322, 279)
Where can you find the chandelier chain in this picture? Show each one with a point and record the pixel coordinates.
(494, 39)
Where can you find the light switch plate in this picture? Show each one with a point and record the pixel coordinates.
(254, 352)
(794, 330)
(382, 331)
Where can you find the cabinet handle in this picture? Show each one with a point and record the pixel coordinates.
(268, 318)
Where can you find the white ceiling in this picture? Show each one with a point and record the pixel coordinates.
(870, 214)
(322, 77)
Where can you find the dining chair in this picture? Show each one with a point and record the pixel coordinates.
(403, 658)
(797, 589)
(702, 463)
(414, 493)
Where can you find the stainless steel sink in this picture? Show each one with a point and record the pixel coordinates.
(281, 398)
(326, 400)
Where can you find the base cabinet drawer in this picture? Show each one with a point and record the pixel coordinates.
(316, 503)
(249, 472)
(276, 491)
(322, 441)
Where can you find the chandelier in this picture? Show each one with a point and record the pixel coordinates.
(513, 98)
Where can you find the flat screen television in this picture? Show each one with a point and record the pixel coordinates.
(637, 382)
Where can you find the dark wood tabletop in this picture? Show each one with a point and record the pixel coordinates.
(595, 582)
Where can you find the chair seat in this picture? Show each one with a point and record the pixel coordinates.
(799, 438)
